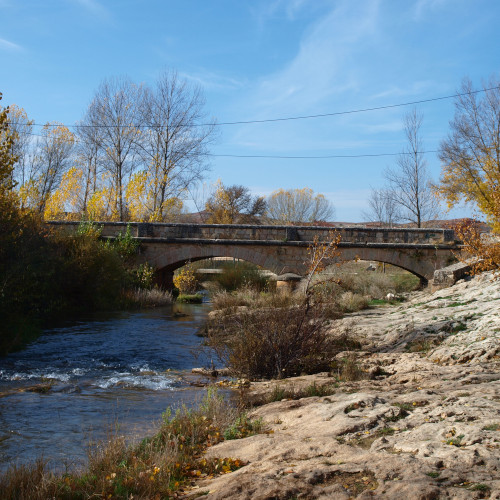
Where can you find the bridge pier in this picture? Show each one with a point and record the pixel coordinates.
(164, 278)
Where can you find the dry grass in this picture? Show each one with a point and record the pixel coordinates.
(141, 297)
(155, 468)
(347, 369)
(253, 299)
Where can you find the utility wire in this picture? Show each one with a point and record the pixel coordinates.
(288, 118)
(284, 157)
(321, 157)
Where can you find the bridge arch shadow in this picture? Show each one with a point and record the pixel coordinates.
(169, 261)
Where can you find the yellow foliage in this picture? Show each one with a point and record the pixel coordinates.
(7, 156)
(63, 203)
(482, 251)
(143, 202)
(472, 182)
(185, 280)
(29, 193)
(288, 206)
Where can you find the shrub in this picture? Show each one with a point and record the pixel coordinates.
(185, 280)
(240, 274)
(352, 302)
(275, 342)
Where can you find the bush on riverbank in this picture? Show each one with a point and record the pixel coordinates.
(194, 298)
(277, 342)
(44, 274)
(157, 467)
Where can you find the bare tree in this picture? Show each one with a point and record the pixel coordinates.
(382, 208)
(115, 111)
(176, 139)
(89, 154)
(470, 155)
(53, 155)
(298, 206)
(409, 182)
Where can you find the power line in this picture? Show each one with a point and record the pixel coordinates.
(320, 157)
(285, 157)
(282, 119)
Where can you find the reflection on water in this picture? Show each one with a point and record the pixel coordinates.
(107, 370)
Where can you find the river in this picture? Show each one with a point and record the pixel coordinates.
(107, 372)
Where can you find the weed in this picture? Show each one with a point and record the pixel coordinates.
(347, 369)
(457, 441)
(422, 345)
(433, 474)
(243, 427)
(459, 327)
(492, 427)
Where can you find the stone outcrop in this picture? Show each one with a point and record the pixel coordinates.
(448, 276)
(424, 423)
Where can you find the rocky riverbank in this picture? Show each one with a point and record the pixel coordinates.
(422, 423)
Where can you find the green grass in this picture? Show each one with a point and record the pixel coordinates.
(433, 474)
(492, 427)
(196, 298)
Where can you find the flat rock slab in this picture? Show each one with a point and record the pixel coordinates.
(426, 427)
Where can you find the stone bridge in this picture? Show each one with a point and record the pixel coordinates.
(282, 249)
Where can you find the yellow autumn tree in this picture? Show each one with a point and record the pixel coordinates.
(470, 155)
(185, 279)
(232, 204)
(144, 205)
(65, 202)
(481, 250)
(7, 155)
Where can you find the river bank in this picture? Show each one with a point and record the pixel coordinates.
(422, 423)
(83, 379)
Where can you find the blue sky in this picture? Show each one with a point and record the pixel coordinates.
(258, 59)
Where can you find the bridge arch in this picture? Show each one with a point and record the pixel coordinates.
(167, 260)
(280, 260)
(422, 266)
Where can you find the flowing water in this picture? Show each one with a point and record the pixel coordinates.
(104, 371)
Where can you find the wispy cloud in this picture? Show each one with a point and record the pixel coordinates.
(415, 89)
(6, 45)
(320, 68)
(422, 7)
(212, 80)
(94, 7)
(317, 79)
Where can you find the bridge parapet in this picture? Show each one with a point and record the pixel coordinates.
(283, 234)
